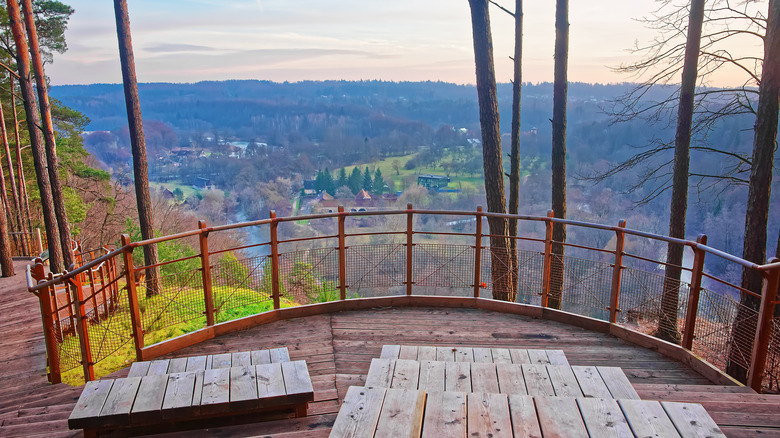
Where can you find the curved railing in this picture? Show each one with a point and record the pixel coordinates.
(106, 308)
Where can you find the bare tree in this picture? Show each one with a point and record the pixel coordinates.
(48, 135)
(558, 162)
(757, 214)
(50, 219)
(138, 143)
(501, 265)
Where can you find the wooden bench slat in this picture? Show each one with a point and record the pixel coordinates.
(280, 354)
(216, 390)
(149, 399)
(603, 418)
(222, 360)
(523, 414)
(158, 367)
(445, 354)
(138, 369)
(380, 373)
(483, 355)
(243, 388)
(196, 363)
(178, 395)
(563, 381)
(510, 379)
(648, 418)
(519, 356)
(270, 382)
(464, 354)
(559, 417)
(241, 359)
(538, 357)
(390, 352)
(177, 365)
(116, 409)
(618, 383)
(557, 357)
(488, 415)
(484, 378)
(426, 353)
(359, 413)
(408, 352)
(401, 414)
(431, 376)
(537, 381)
(457, 376)
(692, 420)
(406, 374)
(501, 355)
(296, 378)
(591, 383)
(445, 414)
(90, 403)
(197, 391)
(260, 357)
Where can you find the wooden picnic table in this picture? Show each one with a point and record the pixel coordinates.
(474, 354)
(504, 378)
(381, 412)
(177, 392)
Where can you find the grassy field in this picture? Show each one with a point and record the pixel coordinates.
(173, 185)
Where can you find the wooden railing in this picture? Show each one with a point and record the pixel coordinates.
(608, 284)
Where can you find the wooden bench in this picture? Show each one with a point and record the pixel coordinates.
(207, 362)
(474, 354)
(504, 378)
(369, 412)
(195, 397)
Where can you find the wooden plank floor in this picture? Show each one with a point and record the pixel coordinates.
(338, 349)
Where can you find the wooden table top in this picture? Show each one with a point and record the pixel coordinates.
(474, 354)
(381, 412)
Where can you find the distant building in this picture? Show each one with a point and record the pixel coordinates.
(433, 181)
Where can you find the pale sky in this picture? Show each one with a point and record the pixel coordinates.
(285, 40)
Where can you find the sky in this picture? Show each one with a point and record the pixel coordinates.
(398, 40)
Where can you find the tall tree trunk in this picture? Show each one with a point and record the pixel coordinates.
(36, 139)
(759, 189)
(12, 181)
(6, 261)
(514, 168)
(667, 325)
(558, 162)
(138, 143)
(501, 265)
(23, 197)
(48, 135)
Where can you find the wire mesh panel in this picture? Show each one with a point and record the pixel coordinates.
(109, 323)
(771, 381)
(587, 287)
(640, 300)
(443, 269)
(376, 270)
(530, 277)
(310, 276)
(496, 274)
(64, 329)
(179, 300)
(241, 287)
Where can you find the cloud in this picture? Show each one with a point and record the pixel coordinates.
(178, 48)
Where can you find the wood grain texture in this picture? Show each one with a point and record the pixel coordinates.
(563, 381)
(402, 413)
(445, 415)
(501, 355)
(603, 418)
(519, 356)
(149, 399)
(648, 419)
(90, 402)
(510, 379)
(591, 383)
(537, 381)
(406, 374)
(484, 378)
(380, 373)
(178, 395)
(457, 376)
(431, 376)
(488, 415)
(524, 419)
(296, 378)
(359, 413)
(618, 383)
(560, 417)
(390, 352)
(692, 420)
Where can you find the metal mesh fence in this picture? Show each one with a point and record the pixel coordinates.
(444, 269)
(640, 301)
(721, 324)
(241, 287)
(376, 270)
(586, 286)
(310, 276)
(771, 381)
(530, 277)
(64, 329)
(179, 300)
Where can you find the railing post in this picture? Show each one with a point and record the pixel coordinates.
(92, 291)
(547, 258)
(48, 317)
(275, 260)
(82, 326)
(205, 271)
(764, 328)
(132, 298)
(342, 254)
(617, 271)
(478, 254)
(39, 240)
(409, 248)
(691, 313)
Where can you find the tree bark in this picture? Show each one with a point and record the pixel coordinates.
(514, 168)
(6, 261)
(12, 181)
(759, 190)
(501, 265)
(667, 325)
(23, 197)
(48, 136)
(138, 143)
(36, 139)
(558, 162)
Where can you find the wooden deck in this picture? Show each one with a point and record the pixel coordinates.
(338, 349)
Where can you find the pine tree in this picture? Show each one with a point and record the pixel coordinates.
(327, 182)
(368, 184)
(379, 183)
(342, 181)
(354, 180)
